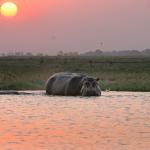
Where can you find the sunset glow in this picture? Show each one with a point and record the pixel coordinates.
(9, 9)
(119, 25)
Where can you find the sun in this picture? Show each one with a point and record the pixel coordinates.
(9, 9)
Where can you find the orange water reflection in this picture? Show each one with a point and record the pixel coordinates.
(114, 121)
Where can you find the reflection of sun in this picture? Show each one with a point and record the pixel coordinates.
(8, 9)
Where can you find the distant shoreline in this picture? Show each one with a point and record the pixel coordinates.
(115, 73)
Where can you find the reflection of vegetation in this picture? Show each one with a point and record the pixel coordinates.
(116, 73)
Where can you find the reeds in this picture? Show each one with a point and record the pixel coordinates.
(115, 73)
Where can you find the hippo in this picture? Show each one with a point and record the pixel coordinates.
(72, 84)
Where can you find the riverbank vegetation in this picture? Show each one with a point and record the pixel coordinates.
(115, 73)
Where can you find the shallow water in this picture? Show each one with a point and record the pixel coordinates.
(114, 121)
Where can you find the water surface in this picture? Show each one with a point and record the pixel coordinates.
(114, 121)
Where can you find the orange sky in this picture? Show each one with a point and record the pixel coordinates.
(75, 25)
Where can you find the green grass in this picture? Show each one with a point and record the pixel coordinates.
(115, 73)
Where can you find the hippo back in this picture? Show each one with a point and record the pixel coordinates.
(64, 84)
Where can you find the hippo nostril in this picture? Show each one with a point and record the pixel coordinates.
(87, 84)
(94, 84)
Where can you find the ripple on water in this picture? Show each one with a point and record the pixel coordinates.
(116, 120)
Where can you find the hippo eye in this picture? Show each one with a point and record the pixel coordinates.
(93, 84)
(87, 84)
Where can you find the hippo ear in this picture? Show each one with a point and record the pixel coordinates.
(97, 79)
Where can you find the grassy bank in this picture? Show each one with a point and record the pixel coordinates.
(31, 73)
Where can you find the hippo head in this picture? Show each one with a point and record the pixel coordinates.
(90, 87)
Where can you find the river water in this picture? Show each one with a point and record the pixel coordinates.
(114, 121)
